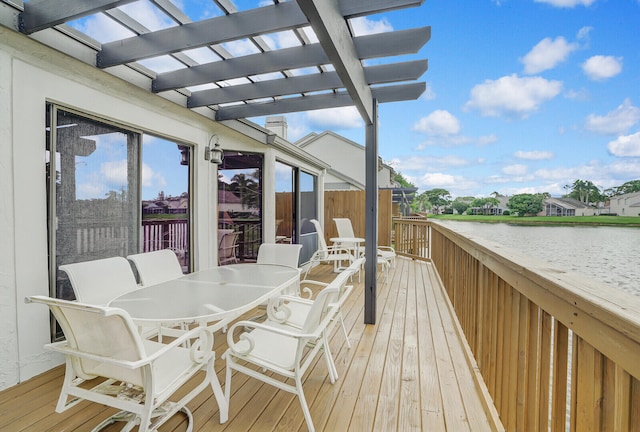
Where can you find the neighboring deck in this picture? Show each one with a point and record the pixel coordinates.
(408, 372)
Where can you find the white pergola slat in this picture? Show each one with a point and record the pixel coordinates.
(272, 81)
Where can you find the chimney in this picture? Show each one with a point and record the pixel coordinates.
(277, 125)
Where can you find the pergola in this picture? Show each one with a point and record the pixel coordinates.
(324, 68)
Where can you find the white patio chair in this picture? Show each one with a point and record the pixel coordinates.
(102, 343)
(153, 268)
(281, 254)
(157, 266)
(325, 254)
(345, 229)
(293, 311)
(99, 281)
(227, 246)
(282, 353)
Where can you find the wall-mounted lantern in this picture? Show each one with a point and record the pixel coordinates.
(215, 154)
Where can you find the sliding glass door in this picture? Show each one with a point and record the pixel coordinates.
(296, 205)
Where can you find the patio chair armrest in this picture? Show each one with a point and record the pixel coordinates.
(63, 348)
(240, 348)
(295, 299)
(200, 351)
(308, 292)
(387, 248)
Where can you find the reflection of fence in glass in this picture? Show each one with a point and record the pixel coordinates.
(171, 234)
(249, 237)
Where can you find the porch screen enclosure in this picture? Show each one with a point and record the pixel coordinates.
(93, 192)
(98, 205)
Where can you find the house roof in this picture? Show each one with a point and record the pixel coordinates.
(207, 77)
(567, 203)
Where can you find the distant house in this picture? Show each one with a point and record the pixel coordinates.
(230, 203)
(566, 207)
(347, 162)
(493, 211)
(625, 205)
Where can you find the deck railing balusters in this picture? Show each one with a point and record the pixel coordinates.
(557, 351)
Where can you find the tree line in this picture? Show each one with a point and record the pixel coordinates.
(439, 200)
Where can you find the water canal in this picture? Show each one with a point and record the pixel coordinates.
(609, 254)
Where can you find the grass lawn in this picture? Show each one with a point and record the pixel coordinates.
(631, 221)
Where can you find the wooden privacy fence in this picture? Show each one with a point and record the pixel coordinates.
(351, 204)
(556, 351)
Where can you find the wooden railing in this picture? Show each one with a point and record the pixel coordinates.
(171, 234)
(411, 237)
(556, 351)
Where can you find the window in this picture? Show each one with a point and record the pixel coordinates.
(296, 205)
(111, 191)
(240, 200)
(165, 198)
(93, 192)
(308, 210)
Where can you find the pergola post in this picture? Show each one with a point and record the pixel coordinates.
(371, 217)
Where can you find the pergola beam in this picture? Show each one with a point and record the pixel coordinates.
(356, 8)
(370, 46)
(334, 36)
(381, 74)
(394, 93)
(249, 23)
(41, 14)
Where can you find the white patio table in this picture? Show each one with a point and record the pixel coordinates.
(355, 243)
(217, 295)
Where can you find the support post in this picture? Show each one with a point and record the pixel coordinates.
(371, 217)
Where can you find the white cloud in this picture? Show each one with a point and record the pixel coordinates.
(583, 33)
(423, 163)
(581, 95)
(515, 170)
(241, 47)
(456, 185)
(148, 15)
(512, 95)
(567, 3)
(364, 26)
(428, 94)
(615, 122)
(150, 178)
(103, 29)
(626, 146)
(534, 155)
(438, 179)
(91, 189)
(335, 118)
(547, 54)
(439, 123)
(487, 139)
(114, 173)
(601, 67)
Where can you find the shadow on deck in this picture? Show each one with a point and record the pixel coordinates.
(410, 371)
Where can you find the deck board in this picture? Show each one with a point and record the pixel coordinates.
(407, 372)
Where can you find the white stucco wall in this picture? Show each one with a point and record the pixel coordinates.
(343, 155)
(30, 76)
(626, 205)
(346, 157)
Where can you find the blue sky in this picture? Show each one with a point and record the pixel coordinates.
(522, 95)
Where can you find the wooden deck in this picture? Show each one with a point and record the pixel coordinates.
(410, 371)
